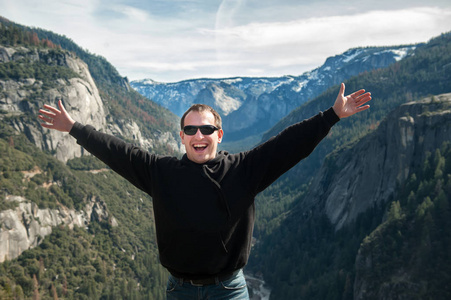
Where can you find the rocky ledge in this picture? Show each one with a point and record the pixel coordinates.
(25, 226)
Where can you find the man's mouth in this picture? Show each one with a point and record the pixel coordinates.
(199, 147)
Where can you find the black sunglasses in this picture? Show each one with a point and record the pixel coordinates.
(204, 129)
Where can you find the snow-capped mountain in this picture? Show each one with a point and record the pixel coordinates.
(250, 106)
(225, 94)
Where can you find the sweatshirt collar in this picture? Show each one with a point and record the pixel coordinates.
(219, 157)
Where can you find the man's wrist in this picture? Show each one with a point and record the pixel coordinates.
(335, 110)
(331, 116)
(70, 125)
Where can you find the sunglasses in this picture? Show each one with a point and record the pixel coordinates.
(204, 129)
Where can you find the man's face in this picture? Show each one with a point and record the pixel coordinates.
(201, 148)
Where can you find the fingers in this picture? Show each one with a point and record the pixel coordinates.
(46, 119)
(49, 126)
(52, 109)
(342, 89)
(357, 96)
(52, 112)
(46, 113)
(57, 119)
(61, 106)
(362, 108)
(362, 99)
(357, 93)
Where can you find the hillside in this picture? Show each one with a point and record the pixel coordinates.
(426, 72)
(108, 250)
(70, 227)
(396, 240)
(381, 166)
(45, 67)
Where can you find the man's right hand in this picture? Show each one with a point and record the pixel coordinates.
(57, 119)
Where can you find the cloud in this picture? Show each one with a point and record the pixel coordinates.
(371, 27)
(178, 39)
(308, 42)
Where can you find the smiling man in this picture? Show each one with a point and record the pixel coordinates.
(204, 202)
(200, 143)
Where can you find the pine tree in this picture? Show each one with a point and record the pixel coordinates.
(54, 293)
(36, 295)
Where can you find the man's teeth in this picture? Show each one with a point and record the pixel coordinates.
(199, 146)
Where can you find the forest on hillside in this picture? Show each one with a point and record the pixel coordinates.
(325, 260)
(101, 260)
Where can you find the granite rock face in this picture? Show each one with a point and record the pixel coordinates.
(79, 94)
(381, 161)
(20, 100)
(26, 226)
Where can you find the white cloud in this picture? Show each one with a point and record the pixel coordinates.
(300, 41)
(306, 43)
(175, 40)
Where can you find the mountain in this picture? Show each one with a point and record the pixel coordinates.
(77, 89)
(73, 231)
(381, 161)
(389, 236)
(250, 106)
(179, 96)
(368, 211)
(35, 70)
(69, 226)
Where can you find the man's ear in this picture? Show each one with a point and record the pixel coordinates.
(220, 135)
(182, 136)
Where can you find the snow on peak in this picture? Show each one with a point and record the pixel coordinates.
(348, 57)
(402, 52)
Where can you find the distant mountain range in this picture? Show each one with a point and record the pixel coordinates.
(251, 106)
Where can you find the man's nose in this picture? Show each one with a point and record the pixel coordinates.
(199, 134)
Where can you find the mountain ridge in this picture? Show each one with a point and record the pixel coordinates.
(260, 102)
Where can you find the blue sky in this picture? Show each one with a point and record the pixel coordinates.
(173, 40)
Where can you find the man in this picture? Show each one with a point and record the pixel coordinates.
(204, 202)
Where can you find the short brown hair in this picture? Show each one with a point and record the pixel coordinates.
(202, 108)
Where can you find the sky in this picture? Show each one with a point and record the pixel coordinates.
(174, 40)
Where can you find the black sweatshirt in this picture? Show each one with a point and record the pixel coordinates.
(204, 213)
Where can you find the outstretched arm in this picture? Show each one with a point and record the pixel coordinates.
(57, 119)
(346, 106)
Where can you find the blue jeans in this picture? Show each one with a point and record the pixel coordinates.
(234, 288)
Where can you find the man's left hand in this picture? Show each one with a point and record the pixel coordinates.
(346, 106)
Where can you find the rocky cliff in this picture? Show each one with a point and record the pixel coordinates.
(79, 94)
(353, 179)
(21, 97)
(26, 226)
